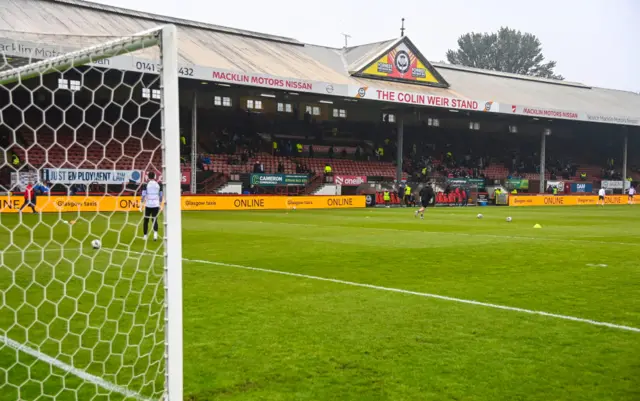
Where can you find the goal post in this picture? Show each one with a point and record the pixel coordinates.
(89, 309)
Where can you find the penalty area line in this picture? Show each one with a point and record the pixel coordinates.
(114, 388)
(424, 294)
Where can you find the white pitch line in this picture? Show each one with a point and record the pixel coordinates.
(423, 294)
(401, 291)
(114, 388)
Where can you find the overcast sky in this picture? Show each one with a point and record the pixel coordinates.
(596, 42)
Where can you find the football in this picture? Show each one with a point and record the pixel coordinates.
(96, 244)
(480, 215)
(508, 219)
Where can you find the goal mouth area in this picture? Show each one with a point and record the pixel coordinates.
(80, 321)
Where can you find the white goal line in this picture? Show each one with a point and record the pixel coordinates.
(114, 388)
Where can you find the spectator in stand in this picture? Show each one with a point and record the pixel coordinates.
(289, 148)
(280, 167)
(311, 151)
(258, 168)
(328, 171)
(400, 191)
(331, 152)
(358, 153)
(457, 197)
(244, 157)
(343, 154)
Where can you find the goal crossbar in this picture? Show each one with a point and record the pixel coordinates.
(116, 47)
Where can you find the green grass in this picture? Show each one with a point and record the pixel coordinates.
(258, 335)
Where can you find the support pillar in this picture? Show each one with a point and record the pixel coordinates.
(624, 157)
(400, 122)
(543, 151)
(194, 141)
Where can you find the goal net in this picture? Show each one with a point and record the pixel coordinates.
(89, 308)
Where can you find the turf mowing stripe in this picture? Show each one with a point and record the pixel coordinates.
(583, 241)
(114, 388)
(422, 294)
(397, 290)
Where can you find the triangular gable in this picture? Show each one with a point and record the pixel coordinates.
(402, 62)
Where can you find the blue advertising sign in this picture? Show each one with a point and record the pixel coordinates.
(580, 187)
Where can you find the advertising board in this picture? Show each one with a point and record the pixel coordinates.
(88, 176)
(270, 202)
(608, 184)
(517, 183)
(350, 180)
(579, 187)
(464, 182)
(550, 200)
(63, 204)
(270, 180)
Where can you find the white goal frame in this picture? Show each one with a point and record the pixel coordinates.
(166, 38)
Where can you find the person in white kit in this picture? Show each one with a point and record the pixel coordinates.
(601, 195)
(632, 193)
(151, 201)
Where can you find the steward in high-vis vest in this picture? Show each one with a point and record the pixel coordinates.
(514, 192)
(327, 170)
(496, 195)
(387, 198)
(407, 195)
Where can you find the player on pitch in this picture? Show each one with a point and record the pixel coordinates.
(426, 193)
(151, 201)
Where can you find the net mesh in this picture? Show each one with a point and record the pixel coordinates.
(78, 136)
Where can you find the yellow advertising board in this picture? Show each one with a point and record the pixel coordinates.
(271, 202)
(551, 200)
(63, 204)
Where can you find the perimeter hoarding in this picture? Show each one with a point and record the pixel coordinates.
(65, 204)
(550, 200)
(271, 202)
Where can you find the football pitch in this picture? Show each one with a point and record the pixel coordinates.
(330, 305)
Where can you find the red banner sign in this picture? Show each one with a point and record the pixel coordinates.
(350, 180)
(185, 176)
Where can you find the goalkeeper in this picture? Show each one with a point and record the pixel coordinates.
(151, 201)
